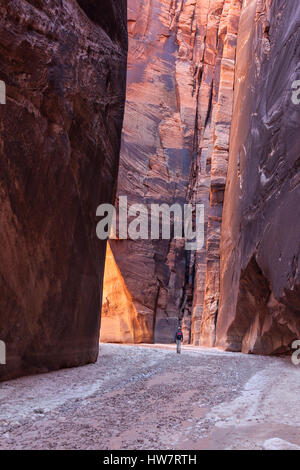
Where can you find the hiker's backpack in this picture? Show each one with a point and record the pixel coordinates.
(179, 335)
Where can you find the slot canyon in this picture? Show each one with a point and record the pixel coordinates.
(209, 107)
(166, 102)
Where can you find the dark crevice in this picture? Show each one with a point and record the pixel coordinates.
(106, 14)
(209, 110)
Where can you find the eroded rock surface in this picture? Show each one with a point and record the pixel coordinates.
(64, 65)
(175, 150)
(260, 262)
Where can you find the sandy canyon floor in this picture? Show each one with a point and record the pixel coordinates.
(148, 397)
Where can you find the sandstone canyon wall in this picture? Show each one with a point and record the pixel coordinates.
(64, 65)
(196, 99)
(175, 150)
(260, 249)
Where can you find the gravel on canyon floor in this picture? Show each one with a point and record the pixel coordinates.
(149, 397)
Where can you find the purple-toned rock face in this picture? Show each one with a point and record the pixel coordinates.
(64, 65)
(260, 262)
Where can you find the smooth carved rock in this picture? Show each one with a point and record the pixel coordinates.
(64, 65)
(260, 262)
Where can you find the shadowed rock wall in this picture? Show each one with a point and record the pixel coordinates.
(260, 262)
(64, 65)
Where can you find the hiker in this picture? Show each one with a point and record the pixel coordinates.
(178, 339)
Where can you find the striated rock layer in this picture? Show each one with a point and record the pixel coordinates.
(260, 262)
(211, 167)
(64, 65)
(175, 150)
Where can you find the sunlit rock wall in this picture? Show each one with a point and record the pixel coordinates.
(119, 317)
(210, 171)
(175, 150)
(64, 65)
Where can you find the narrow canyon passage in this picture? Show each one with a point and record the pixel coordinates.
(146, 397)
(210, 119)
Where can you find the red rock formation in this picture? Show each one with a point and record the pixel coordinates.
(157, 152)
(260, 262)
(211, 169)
(182, 67)
(175, 150)
(64, 68)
